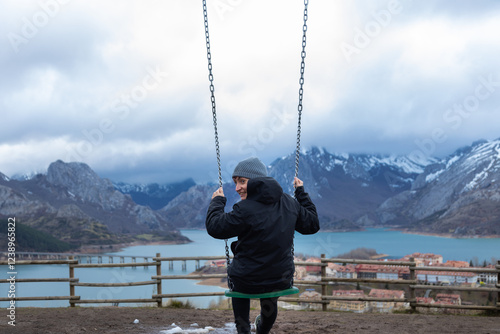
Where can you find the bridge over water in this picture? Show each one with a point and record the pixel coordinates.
(91, 258)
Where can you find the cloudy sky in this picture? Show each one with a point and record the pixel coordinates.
(123, 85)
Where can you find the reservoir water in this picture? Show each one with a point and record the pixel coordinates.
(393, 243)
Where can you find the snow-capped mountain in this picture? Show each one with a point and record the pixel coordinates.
(459, 195)
(348, 188)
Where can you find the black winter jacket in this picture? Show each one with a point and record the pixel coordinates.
(264, 224)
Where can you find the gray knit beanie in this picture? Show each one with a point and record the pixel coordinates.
(250, 168)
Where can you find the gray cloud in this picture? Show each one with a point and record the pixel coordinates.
(125, 89)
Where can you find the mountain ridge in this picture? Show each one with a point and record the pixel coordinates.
(74, 204)
(456, 196)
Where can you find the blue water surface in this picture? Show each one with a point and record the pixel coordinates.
(394, 244)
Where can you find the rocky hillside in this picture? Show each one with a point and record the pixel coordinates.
(154, 195)
(459, 195)
(72, 203)
(189, 209)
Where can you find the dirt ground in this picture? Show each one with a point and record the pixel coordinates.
(155, 320)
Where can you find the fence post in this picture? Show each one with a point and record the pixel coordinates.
(498, 286)
(158, 280)
(71, 286)
(413, 277)
(323, 286)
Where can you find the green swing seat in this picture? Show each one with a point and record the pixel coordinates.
(234, 294)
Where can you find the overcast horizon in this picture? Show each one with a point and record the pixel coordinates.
(123, 86)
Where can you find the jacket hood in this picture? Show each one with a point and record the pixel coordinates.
(264, 189)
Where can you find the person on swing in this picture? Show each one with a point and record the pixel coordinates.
(264, 222)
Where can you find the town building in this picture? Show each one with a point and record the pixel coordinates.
(311, 295)
(357, 306)
(313, 270)
(300, 272)
(389, 305)
(448, 299)
(424, 259)
(217, 263)
(348, 271)
(378, 271)
(488, 278)
(439, 277)
(425, 300)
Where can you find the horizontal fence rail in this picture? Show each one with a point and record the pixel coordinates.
(323, 282)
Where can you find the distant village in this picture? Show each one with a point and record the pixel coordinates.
(388, 272)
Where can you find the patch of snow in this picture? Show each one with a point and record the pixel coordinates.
(338, 162)
(497, 149)
(344, 155)
(229, 328)
(453, 160)
(478, 177)
(431, 177)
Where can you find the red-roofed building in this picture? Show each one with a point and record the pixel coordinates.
(424, 259)
(425, 300)
(311, 294)
(313, 269)
(387, 306)
(367, 270)
(382, 271)
(357, 306)
(448, 299)
(348, 271)
(446, 277)
(455, 264)
(218, 263)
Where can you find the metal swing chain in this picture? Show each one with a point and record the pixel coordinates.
(212, 91)
(214, 115)
(301, 95)
(301, 88)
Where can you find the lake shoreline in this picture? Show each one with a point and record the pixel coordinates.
(428, 234)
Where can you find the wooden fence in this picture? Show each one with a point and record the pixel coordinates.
(413, 284)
